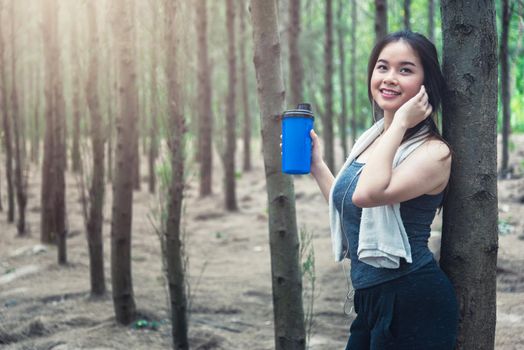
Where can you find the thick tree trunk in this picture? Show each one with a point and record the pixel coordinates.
(20, 182)
(407, 14)
(230, 149)
(505, 87)
(285, 268)
(205, 116)
(470, 232)
(174, 251)
(296, 68)
(381, 19)
(121, 226)
(96, 193)
(342, 70)
(246, 166)
(8, 142)
(328, 89)
(352, 74)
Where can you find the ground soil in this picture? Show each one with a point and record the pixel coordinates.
(46, 306)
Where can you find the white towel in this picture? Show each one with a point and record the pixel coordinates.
(382, 239)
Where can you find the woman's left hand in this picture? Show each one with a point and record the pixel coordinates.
(414, 110)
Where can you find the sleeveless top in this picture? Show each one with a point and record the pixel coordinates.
(417, 215)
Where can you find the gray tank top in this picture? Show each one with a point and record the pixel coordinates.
(417, 215)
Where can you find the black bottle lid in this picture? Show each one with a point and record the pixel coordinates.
(305, 106)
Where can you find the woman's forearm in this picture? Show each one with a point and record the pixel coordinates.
(324, 178)
(376, 174)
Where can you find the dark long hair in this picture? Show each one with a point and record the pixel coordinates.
(433, 79)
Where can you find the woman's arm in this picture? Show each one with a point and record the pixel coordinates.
(319, 169)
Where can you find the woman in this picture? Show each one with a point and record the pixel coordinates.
(386, 195)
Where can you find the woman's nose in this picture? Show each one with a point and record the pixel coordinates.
(391, 77)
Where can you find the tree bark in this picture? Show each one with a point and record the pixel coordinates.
(20, 182)
(296, 68)
(8, 142)
(342, 59)
(205, 114)
(96, 193)
(127, 143)
(381, 19)
(230, 149)
(246, 164)
(505, 87)
(286, 275)
(174, 244)
(328, 89)
(470, 232)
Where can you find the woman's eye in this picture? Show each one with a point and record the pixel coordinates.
(381, 67)
(405, 70)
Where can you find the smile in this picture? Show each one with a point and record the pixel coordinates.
(388, 92)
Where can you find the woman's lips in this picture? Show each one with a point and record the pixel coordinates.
(389, 94)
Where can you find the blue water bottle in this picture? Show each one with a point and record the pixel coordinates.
(296, 141)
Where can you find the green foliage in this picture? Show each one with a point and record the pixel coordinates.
(307, 261)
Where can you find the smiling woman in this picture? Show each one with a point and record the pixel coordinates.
(382, 206)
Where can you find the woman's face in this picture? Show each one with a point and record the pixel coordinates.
(397, 76)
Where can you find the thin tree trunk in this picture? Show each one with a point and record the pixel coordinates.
(205, 116)
(75, 153)
(20, 183)
(343, 94)
(431, 20)
(470, 231)
(328, 89)
(381, 19)
(505, 87)
(285, 268)
(352, 74)
(96, 193)
(296, 68)
(174, 257)
(230, 149)
(407, 14)
(153, 139)
(246, 166)
(121, 226)
(8, 143)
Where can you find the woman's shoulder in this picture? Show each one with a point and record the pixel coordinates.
(437, 150)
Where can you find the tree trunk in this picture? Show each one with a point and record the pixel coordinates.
(230, 150)
(8, 143)
(407, 14)
(246, 166)
(328, 89)
(96, 193)
(505, 87)
(296, 68)
(342, 58)
(285, 268)
(470, 232)
(431, 21)
(153, 139)
(75, 152)
(53, 215)
(381, 19)
(127, 143)
(174, 252)
(35, 140)
(352, 74)
(205, 116)
(20, 182)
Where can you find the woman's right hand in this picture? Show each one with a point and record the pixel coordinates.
(316, 151)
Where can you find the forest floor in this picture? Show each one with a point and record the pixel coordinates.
(46, 306)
